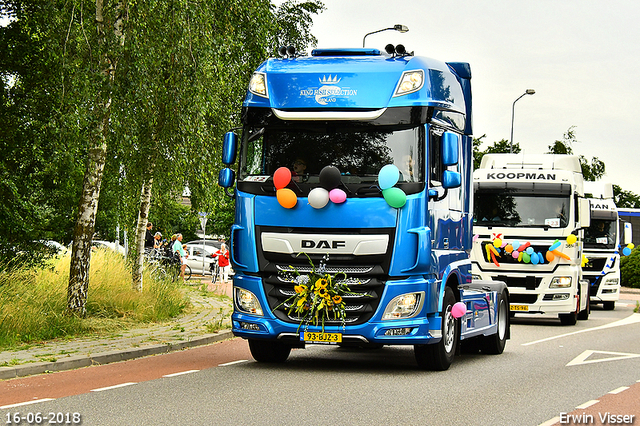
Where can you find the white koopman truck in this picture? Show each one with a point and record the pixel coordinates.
(529, 215)
(602, 245)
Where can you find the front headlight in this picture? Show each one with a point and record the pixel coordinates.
(611, 281)
(411, 81)
(560, 282)
(258, 85)
(404, 306)
(247, 302)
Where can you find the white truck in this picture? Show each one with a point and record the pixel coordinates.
(602, 245)
(529, 215)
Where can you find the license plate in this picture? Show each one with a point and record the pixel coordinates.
(521, 308)
(311, 337)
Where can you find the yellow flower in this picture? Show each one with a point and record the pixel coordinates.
(301, 301)
(321, 292)
(337, 299)
(321, 283)
(300, 288)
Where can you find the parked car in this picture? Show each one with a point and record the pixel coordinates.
(213, 243)
(108, 244)
(54, 246)
(198, 252)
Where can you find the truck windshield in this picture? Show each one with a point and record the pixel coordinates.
(359, 154)
(601, 234)
(513, 209)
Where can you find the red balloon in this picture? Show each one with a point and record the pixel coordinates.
(281, 177)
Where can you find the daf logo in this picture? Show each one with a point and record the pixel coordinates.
(322, 244)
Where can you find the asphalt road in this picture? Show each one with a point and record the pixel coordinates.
(547, 370)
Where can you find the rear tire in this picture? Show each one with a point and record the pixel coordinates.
(495, 343)
(269, 351)
(439, 356)
(187, 273)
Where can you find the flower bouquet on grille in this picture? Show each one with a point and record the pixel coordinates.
(318, 295)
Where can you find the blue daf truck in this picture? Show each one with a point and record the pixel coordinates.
(352, 179)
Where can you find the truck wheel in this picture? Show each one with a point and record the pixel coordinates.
(584, 314)
(269, 351)
(608, 306)
(568, 319)
(495, 343)
(439, 356)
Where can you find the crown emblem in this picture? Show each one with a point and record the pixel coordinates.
(334, 80)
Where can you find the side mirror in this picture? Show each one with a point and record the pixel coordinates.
(584, 212)
(451, 179)
(628, 234)
(226, 177)
(450, 154)
(229, 148)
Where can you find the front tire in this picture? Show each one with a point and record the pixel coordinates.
(439, 356)
(269, 351)
(568, 319)
(608, 306)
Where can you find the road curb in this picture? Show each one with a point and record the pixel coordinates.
(80, 361)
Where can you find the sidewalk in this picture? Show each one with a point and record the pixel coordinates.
(188, 330)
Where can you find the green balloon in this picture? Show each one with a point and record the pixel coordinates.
(395, 197)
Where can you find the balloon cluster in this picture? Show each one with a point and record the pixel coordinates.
(330, 179)
(388, 176)
(627, 250)
(524, 252)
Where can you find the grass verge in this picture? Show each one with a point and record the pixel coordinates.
(33, 301)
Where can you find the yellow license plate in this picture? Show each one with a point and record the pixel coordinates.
(311, 337)
(521, 308)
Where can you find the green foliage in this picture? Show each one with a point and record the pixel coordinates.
(625, 199)
(591, 171)
(502, 146)
(630, 269)
(33, 301)
(178, 88)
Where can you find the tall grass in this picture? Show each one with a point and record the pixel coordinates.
(33, 301)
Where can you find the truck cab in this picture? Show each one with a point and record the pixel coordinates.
(354, 176)
(529, 214)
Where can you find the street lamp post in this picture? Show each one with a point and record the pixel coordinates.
(397, 27)
(513, 108)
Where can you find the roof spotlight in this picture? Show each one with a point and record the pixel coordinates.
(400, 50)
(291, 51)
(282, 51)
(390, 48)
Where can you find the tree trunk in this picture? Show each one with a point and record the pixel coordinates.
(143, 217)
(85, 224)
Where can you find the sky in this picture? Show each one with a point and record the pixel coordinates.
(581, 57)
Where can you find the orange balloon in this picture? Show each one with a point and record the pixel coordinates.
(550, 256)
(287, 198)
(508, 248)
(281, 178)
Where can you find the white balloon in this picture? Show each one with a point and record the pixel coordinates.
(318, 198)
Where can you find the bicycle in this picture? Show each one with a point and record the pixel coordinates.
(215, 270)
(164, 267)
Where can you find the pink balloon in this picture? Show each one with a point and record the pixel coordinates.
(458, 310)
(337, 196)
(515, 254)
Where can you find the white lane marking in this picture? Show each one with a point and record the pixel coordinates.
(632, 319)
(587, 404)
(582, 358)
(180, 373)
(20, 404)
(620, 389)
(550, 422)
(232, 362)
(112, 387)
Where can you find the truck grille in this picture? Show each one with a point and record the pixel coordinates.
(366, 276)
